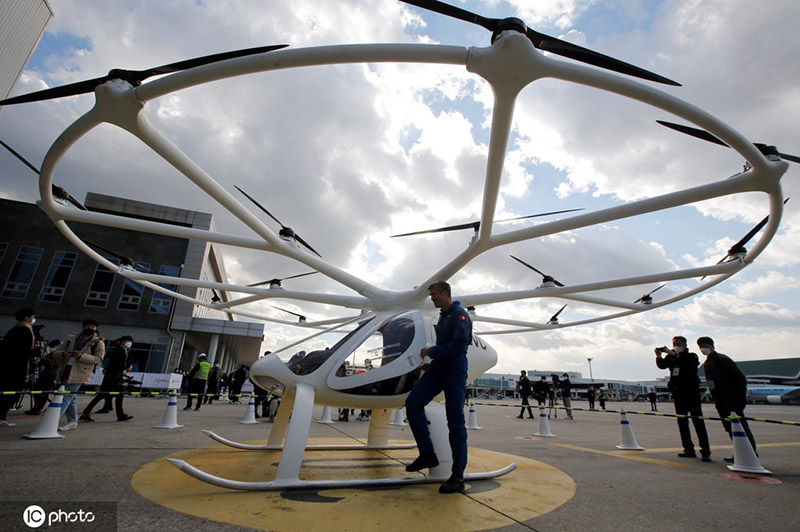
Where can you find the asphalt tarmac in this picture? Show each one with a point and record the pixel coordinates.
(92, 467)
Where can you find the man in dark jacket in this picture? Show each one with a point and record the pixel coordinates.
(447, 373)
(524, 390)
(113, 379)
(212, 387)
(541, 389)
(728, 387)
(17, 348)
(684, 385)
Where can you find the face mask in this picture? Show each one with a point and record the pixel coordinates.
(88, 332)
(127, 345)
(706, 350)
(33, 321)
(679, 349)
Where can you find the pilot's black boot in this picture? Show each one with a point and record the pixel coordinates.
(423, 461)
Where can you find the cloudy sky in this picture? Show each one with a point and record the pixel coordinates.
(350, 155)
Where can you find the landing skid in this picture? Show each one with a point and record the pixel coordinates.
(289, 435)
(278, 447)
(297, 484)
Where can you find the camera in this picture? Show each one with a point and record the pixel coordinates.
(129, 382)
(663, 349)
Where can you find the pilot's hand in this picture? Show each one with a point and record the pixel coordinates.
(423, 352)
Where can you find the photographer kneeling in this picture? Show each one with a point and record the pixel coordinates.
(114, 378)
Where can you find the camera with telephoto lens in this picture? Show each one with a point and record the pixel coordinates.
(129, 382)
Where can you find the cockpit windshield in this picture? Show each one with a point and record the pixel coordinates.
(311, 353)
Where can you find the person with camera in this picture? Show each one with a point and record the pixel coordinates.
(541, 389)
(17, 348)
(79, 354)
(114, 379)
(684, 384)
(44, 379)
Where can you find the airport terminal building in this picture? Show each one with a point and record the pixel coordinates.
(41, 269)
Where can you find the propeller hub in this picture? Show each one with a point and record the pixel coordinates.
(125, 75)
(510, 23)
(286, 233)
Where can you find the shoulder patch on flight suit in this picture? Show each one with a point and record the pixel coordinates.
(462, 317)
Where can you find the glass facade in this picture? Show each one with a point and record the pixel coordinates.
(101, 285)
(162, 303)
(19, 279)
(57, 276)
(132, 291)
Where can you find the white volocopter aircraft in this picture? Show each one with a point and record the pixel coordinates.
(370, 359)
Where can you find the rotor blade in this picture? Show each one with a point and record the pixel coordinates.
(536, 215)
(123, 259)
(792, 158)
(656, 289)
(282, 279)
(746, 238)
(694, 132)
(647, 295)
(299, 239)
(135, 77)
(534, 269)
(545, 42)
(20, 157)
(584, 55)
(455, 12)
(470, 225)
(476, 225)
(257, 204)
(299, 275)
(554, 316)
(705, 135)
(207, 59)
(288, 311)
(58, 192)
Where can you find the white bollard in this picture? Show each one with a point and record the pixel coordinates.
(398, 418)
(250, 414)
(326, 415)
(170, 420)
(744, 457)
(628, 440)
(48, 425)
(472, 422)
(544, 424)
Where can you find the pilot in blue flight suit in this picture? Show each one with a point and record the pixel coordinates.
(447, 373)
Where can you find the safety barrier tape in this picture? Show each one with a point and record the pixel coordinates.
(248, 395)
(244, 395)
(657, 414)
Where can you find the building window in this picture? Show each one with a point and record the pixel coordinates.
(56, 281)
(148, 358)
(101, 286)
(162, 303)
(21, 274)
(132, 291)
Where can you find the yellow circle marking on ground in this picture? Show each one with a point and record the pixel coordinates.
(533, 489)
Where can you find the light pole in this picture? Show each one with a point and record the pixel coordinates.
(590, 368)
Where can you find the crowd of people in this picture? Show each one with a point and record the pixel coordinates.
(32, 364)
